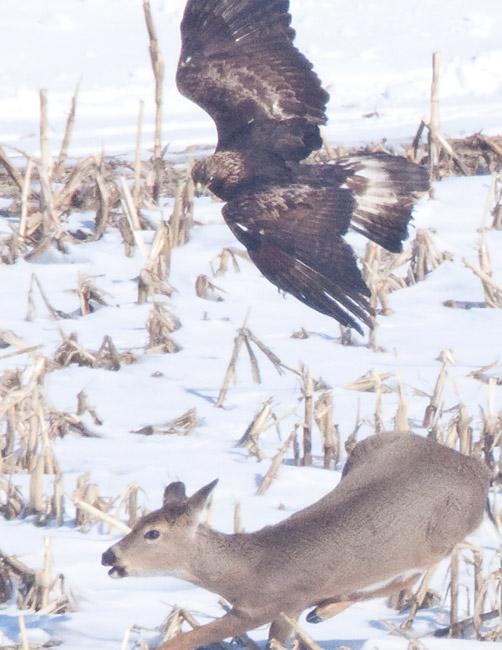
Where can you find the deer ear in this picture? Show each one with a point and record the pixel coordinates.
(174, 492)
(197, 501)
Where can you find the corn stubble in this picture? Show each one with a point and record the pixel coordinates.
(48, 189)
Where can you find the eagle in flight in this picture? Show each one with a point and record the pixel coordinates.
(239, 63)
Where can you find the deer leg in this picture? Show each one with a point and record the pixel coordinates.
(329, 608)
(281, 629)
(326, 610)
(231, 624)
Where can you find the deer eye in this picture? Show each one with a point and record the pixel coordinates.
(152, 534)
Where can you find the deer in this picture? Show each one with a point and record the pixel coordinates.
(401, 506)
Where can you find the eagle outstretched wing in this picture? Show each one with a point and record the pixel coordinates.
(293, 239)
(294, 232)
(238, 63)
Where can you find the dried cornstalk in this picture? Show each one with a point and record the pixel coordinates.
(157, 267)
(306, 639)
(435, 402)
(172, 625)
(96, 513)
(275, 464)
(483, 376)
(161, 323)
(492, 290)
(108, 357)
(13, 503)
(464, 625)
(84, 407)
(231, 369)
(35, 588)
(11, 170)
(425, 257)
(37, 500)
(237, 519)
(56, 506)
(351, 441)
(131, 214)
(251, 436)
(103, 210)
(188, 197)
(137, 157)
(45, 152)
(149, 283)
(308, 419)
(459, 428)
(22, 632)
(491, 433)
(497, 204)
(378, 271)
(220, 265)
(378, 417)
(180, 426)
(129, 505)
(45, 170)
(45, 576)
(158, 72)
(159, 258)
(88, 294)
(323, 414)
(83, 169)
(9, 338)
(401, 423)
(181, 219)
(55, 314)
(70, 351)
(418, 598)
(65, 144)
(176, 218)
(127, 236)
(492, 582)
(25, 192)
(370, 382)
(205, 289)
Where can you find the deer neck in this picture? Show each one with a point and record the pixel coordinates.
(221, 563)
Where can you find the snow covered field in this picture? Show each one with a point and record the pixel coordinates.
(375, 58)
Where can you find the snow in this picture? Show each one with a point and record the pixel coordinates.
(374, 57)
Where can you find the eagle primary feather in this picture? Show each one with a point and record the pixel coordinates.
(239, 63)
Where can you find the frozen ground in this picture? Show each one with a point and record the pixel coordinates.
(374, 57)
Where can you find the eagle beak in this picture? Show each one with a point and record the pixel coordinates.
(199, 189)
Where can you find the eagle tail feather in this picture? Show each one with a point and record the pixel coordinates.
(385, 189)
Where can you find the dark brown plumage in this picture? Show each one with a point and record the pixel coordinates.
(239, 63)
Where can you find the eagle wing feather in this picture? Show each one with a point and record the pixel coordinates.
(294, 238)
(238, 63)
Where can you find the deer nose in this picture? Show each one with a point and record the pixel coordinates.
(108, 558)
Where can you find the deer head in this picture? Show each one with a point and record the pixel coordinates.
(157, 544)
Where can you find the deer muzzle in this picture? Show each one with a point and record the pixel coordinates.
(110, 559)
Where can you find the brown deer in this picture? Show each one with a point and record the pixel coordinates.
(401, 506)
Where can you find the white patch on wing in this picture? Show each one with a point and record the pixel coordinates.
(241, 227)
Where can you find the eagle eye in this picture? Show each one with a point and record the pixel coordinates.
(152, 534)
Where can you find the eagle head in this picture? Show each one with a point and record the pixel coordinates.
(222, 173)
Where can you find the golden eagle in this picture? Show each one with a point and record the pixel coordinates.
(239, 63)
